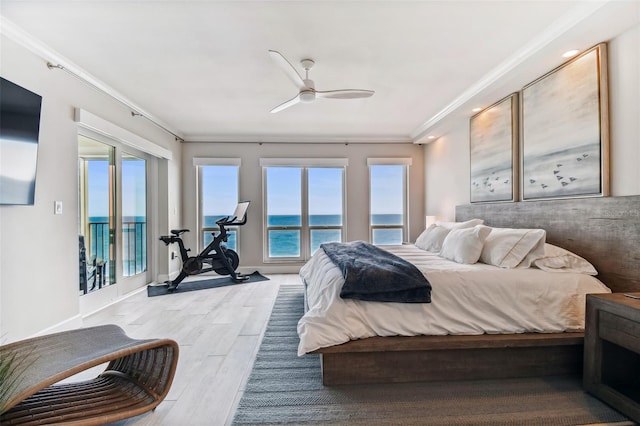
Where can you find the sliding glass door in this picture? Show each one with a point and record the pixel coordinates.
(134, 215)
(112, 216)
(96, 214)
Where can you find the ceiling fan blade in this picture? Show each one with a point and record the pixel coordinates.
(344, 94)
(285, 105)
(288, 69)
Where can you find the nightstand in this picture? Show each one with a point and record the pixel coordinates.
(612, 351)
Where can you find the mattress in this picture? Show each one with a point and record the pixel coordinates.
(465, 300)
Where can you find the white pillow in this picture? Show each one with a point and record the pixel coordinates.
(460, 225)
(431, 238)
(465, 245)
(557, 259)
(508, 247)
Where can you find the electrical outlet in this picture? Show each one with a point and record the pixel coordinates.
(57, 207)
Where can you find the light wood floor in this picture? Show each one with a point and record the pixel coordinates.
(219, 332)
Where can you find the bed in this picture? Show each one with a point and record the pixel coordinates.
(516, 343)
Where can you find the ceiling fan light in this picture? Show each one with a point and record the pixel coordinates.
(307, 96)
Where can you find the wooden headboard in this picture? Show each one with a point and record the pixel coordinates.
(603, 230)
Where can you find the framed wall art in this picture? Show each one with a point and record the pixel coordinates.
(565, 130)
(493, 144)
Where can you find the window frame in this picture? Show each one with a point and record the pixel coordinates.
(304, 228)
(404, 227)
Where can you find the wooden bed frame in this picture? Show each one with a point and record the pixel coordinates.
(604, 230)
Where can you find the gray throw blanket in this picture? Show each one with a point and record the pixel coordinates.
(373, 274)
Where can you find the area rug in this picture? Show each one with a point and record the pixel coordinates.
(184, 286)
(286, 389)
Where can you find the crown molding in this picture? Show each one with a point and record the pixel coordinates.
(302, 139)
(56, 60)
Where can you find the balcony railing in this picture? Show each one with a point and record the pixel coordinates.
(134, 243)
(98, 244)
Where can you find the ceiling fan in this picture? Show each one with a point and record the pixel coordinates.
(307, 89)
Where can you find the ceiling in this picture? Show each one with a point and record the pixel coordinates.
(202, 69)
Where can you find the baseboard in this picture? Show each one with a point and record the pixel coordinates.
(263, 269)
(68, 324)
(271, 269)
(163, 278)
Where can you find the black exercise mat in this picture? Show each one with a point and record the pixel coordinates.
(184, 286)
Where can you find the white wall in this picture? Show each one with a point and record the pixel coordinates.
(624, 91)
(447, 159)
(447, 173)
(39, 250)
(251, 236)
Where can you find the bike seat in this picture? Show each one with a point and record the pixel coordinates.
(178, 232)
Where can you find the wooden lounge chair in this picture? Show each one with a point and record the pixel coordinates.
(136, 380)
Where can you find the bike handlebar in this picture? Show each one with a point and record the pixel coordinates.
(226, 221)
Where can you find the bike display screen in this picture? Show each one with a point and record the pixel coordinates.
(240, 212)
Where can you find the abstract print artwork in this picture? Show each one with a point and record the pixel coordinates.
(565, 130)
(493, 150)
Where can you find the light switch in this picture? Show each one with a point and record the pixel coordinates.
(57, 207)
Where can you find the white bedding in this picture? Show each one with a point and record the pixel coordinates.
(465, 299)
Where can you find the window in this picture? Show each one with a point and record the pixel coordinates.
(325, 195)
(218, 195)
(284, 212)
(304, 206)
(388, 189)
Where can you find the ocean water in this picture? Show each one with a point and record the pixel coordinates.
(282, 243)
(286, 243)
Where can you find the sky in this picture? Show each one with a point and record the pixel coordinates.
(325, 190)
(98, 175)
(133, 176)
(220, 190)
(388, 195)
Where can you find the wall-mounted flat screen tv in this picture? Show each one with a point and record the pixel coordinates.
(19, 130)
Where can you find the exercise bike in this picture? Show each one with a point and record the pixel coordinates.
(214, 257)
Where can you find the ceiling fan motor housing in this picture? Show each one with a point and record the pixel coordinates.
(307, 96)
